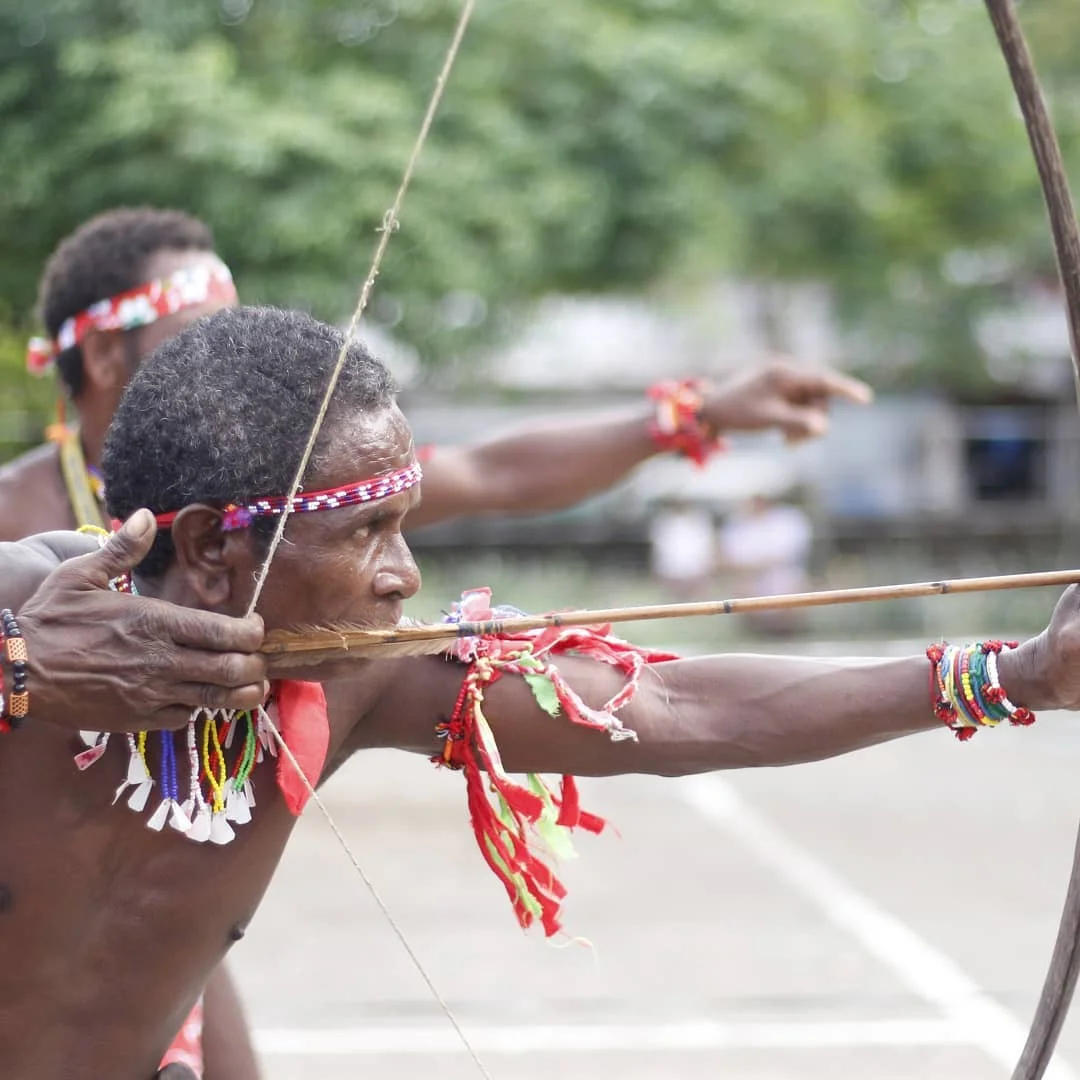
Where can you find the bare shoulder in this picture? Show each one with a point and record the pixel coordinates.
(32, 495)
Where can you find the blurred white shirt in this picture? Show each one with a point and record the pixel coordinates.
(683, 544)
(771, 547)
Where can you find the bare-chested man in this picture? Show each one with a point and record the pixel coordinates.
(215, 420)
(541, 466)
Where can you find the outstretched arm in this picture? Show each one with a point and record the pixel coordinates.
(716, 712)
(690, 716)
(557, 462)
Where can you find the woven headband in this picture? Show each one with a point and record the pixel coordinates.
(363, 491)
(145, 304)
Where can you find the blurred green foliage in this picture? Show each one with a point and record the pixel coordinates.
(582, 146)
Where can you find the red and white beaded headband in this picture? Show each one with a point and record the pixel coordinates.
(363, 491)
(145, 304)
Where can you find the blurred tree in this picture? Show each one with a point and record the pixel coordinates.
(582, 146)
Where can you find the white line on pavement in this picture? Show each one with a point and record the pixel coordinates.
(930, 974)
(560, 1038)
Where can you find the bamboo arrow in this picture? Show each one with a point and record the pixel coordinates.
(330, 643)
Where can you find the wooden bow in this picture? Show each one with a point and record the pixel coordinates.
(1061, 975)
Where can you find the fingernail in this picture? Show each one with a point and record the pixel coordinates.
(139, 524)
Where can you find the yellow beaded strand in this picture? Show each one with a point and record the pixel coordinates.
(218, 777)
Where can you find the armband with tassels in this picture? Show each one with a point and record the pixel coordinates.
(522, 825)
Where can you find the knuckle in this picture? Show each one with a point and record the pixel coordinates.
(231, 670)
(214, 697)
(211, 634)
(777, 374)
(117, 548)
(171, 717)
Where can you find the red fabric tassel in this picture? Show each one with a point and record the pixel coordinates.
(591, 822)
(570, 810)
(530, 883)
(304, 724)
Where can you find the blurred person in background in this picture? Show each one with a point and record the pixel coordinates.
(765, 546)
(131, 279)
(682, 549)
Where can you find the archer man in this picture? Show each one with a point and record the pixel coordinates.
(130, 864)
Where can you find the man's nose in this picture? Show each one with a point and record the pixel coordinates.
(398, 577)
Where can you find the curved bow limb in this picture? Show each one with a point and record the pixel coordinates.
(1064, 966)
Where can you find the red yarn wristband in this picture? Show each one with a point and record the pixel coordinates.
(677, 426)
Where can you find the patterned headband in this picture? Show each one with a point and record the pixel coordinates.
(363, 491)
(145, 304)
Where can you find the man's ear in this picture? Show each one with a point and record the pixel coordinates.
(217, 565)
(105, 360)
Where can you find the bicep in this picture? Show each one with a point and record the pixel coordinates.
(424, 692)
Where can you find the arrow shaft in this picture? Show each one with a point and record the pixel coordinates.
(286, 641)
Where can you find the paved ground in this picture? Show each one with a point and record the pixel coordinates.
(888, 915)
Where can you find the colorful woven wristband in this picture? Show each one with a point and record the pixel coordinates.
(965, 690)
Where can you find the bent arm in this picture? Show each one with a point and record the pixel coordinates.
(690, 716)
(25, 564)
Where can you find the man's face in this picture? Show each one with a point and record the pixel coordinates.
(348, 565)
(163, 264)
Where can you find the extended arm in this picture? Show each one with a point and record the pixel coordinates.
(716, 712)
(690, 716)
(557, 462)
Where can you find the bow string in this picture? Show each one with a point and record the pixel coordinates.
(390, 224)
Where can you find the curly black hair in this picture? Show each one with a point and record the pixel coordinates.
(220, 414)
(106, 256)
